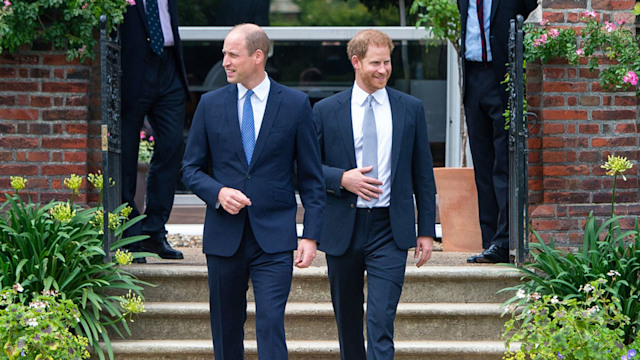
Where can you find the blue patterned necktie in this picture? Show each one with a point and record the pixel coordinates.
(248, 129)
(155, 29)
(370, 143)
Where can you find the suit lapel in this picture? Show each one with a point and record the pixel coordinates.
(494, 9)
(273, 105)
(398, 112)
(345, 125)
(143, 15)
(233, 122)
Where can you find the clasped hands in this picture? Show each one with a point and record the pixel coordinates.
(234, 200)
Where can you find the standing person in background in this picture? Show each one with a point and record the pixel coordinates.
(154, 85)
(485, 39)
(243, 143)
(376, 158)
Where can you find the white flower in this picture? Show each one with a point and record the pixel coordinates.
(521, 294)
(613, 273)
(593, 310)
(587, 288)
(535, 296)
(18, 288)
(38, 305)
(32, 322)
(509, 309)
(554, 299)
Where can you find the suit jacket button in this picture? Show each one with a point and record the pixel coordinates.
(353, 205)
(248, 176)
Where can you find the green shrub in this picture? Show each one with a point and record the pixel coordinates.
(59, 246)
(39, 330)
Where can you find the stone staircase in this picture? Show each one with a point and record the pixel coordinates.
(448, 310)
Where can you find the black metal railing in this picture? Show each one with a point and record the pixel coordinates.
(110, 75)
(518, 152)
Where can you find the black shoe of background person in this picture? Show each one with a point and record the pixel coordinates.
(492, 255)
(158, 244)
(133, 248)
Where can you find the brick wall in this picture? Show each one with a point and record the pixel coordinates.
(580, 125)
(49, 125)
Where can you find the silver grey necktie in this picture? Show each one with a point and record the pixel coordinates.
(370, 144)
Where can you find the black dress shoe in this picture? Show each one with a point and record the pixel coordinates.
(158, 244)
(492, 255)
(140, 260)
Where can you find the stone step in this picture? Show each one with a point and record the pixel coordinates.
(315, 321)
(428, 284)
(308, 350)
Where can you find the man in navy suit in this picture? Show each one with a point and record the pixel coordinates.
(240, 153)
(485, 57)
(154, 85)
(370, 219)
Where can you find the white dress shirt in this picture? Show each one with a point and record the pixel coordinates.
(258, 102)
(384, 129)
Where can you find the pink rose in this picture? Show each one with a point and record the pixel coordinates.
(131, 2)
(610, 26)
(580, 52)
(554, 33)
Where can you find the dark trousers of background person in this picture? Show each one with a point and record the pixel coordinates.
(484, 104)
(161, 99)
(270, 276)
(372, 249)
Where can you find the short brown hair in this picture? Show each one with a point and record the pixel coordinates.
(360, 43)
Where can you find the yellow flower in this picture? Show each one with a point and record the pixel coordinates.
(73, 183)
(114, 221)
(97, 180)
(18, 183)
(617, 165)
(131, 304)
(124, 257)
(98, 221)
(126, 212)
(62, 212)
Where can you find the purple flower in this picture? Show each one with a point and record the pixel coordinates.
(631, 353)
(560, 355)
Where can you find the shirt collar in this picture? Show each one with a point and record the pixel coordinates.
(360, 96)
(261, 91)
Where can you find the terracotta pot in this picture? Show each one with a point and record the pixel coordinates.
(141, 186)
(458, 207)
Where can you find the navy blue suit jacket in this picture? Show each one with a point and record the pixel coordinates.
(411, 171)
(136, 51)
(287, 134)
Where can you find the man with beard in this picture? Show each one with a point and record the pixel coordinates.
(376, 157)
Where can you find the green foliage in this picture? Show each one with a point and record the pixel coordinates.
(145, 150)
(340, 13)
(45, 249)
(549, 328)
(609, 47)
(442, 17)
(39, 330)
(607, 252)
(67, 24)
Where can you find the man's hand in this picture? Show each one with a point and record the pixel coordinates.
(424, 245)
(306, 253)
(232, 200)
(365, 187)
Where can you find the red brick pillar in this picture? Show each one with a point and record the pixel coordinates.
(580, 125)
(46, 133)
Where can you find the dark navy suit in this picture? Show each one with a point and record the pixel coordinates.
(258, 241)
(343, 230)
(485, 100)
(153, 86)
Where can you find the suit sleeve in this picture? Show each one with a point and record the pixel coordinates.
(310, 181)
(332, 175)
(196, 160)
(423, 180)
(529, 6)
